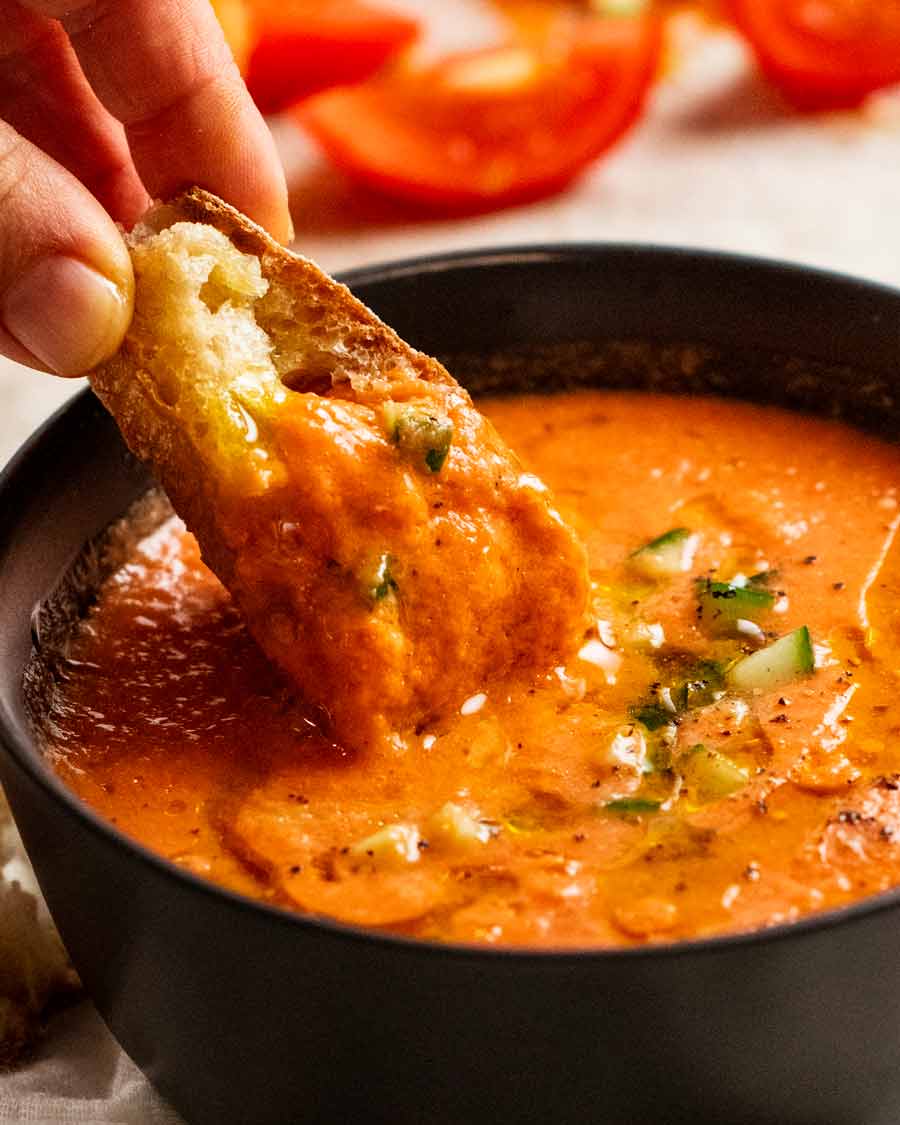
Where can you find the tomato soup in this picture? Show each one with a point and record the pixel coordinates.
(719, 755)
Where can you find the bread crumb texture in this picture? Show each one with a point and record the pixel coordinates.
(205, 359)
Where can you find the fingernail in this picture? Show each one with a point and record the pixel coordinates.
(69, 316)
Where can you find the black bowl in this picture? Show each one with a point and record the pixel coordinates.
(243, 1013)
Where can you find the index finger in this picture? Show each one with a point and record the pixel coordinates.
(162, 67)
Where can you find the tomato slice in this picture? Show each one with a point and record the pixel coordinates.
(487, 128)
(303, 47)
(824, 54)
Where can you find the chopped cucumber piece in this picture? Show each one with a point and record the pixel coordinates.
(458, 827)
(393, 844)
(630, 806)
(787, 659)
(695, 684)
(711, 775)
(670, 554)
(420, 432)
(723, 604)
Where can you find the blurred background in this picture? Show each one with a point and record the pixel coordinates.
(769, 127)
(765, 126)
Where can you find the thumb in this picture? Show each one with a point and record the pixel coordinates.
(66, 284)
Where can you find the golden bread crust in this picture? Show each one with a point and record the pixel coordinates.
(388, 580)
(368, 340)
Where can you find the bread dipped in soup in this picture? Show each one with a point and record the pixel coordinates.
(385, 546)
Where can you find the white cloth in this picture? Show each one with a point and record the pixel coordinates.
(80, 1074)
(716, 163)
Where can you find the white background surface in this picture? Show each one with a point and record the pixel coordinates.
(717, 163)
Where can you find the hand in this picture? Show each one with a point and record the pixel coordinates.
(105, 105)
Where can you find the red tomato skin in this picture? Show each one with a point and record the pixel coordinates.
(813, 75)
(340, 121)
(306, 49)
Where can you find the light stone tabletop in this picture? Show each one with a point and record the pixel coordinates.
(716, 163)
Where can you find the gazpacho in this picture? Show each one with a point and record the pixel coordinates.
(718, 754)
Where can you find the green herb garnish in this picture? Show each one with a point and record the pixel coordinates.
(420, 432)
(695, 683)
(703, 684)
(651, 715)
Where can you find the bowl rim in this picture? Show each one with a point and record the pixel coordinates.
(26, 756)
(517, 253)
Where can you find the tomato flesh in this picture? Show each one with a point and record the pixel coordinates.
(488, 128)
(303, 47)
(824, 54)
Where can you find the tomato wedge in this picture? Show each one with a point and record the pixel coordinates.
(484, 129)
(824, 54)
(302, 47)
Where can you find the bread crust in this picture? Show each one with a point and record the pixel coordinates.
(150, 429)
(285, 270)
(487, 579)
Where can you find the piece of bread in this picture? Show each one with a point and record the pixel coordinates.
(384, 544)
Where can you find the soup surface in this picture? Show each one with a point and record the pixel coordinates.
(721, 754)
